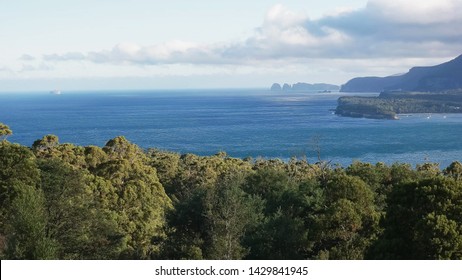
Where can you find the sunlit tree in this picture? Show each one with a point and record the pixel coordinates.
(5, 131)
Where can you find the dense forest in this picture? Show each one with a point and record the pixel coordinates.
(62, 201)
(390, 103)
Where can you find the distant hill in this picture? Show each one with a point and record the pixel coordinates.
(304, 87)
(445, 76)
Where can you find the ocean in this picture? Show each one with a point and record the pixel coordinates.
(243, 123)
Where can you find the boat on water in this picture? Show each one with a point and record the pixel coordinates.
(55, 92)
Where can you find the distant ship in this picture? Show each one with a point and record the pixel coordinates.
(56, 92)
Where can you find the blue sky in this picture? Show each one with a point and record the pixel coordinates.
(142, 44)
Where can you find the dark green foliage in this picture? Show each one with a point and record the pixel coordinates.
(230, 213)
(99, 203)
(167, 165)
(454, 170)
(18, 172)
(77, 221)
(61, 201)
(423, 221)
(270, 184)
(283, 233)
(186, 228)
(27, 230)
(378, 177)
(350, 222)
(279, 237)
(211, 222)
(140, 200)
(18, 168)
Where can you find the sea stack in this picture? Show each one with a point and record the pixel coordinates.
(276, 87)
(286, 87)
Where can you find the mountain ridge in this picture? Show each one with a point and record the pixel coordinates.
(444, 76)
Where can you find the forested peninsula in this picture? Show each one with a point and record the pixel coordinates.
(63, 201)
(391, 103)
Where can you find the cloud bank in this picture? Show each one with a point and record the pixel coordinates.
(382, 29)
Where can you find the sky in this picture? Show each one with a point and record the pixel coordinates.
(151, 44)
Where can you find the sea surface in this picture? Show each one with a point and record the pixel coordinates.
(243, 123)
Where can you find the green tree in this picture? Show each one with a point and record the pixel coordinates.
(18, 167)
(454, 170)
(167, 165)
(378, 177)
(428, 170)
(283, 233)
(49, 147)
(278, 236)
(18, 171)
(5, 131)
(141, 199)
(423, 221)
(76, 220)
(350, 223)
(402, 173)
(27, 227)
(94, 156)
(186, 228)
(212, 221)
(47, 142)
(270, 183)
(229, 214)
(197, 172)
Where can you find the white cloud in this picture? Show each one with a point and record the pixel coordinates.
(284, 29)
(399, 29)
(418, 11)
(382, 29)
(174, 52)
(281, 16)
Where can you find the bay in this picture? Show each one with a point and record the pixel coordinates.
(243, 123)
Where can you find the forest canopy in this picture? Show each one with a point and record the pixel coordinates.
(63, 201)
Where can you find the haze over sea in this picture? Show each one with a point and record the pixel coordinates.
(240, 122)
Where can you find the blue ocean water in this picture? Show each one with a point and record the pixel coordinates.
(241, 122)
